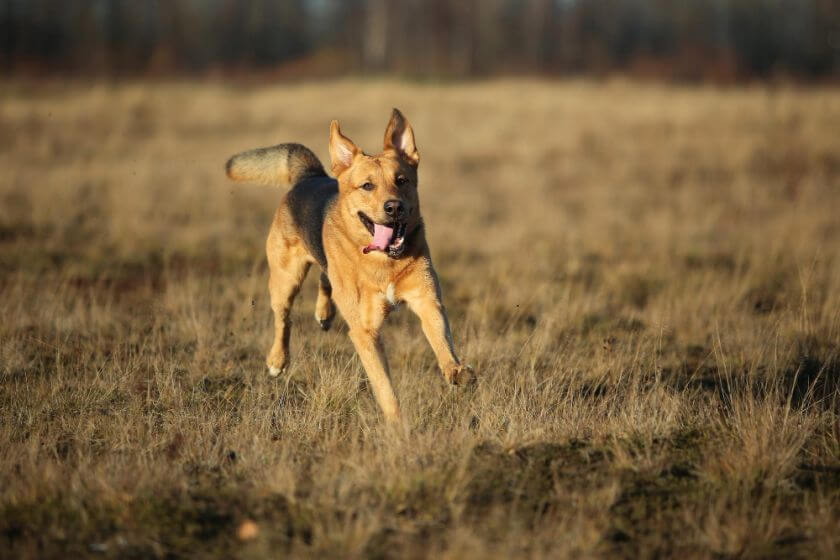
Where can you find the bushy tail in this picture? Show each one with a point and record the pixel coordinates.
(281, 165)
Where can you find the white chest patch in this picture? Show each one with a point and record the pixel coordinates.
(390, 294)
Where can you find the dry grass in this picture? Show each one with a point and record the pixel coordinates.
(645, 277)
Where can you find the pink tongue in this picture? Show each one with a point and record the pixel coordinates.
(381, 236)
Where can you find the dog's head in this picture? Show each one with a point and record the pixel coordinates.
(378, 194)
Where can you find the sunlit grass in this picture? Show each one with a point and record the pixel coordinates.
(645, 277)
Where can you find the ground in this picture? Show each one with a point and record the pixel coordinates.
(645, 277)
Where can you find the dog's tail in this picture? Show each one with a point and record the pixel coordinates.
(281, 165)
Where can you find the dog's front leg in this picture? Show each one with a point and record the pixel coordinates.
(365, 319)
(427, 306)
(370, 350)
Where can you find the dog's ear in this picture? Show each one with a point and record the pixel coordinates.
(399, 136)
(342, 150)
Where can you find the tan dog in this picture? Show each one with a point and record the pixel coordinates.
(365, 231)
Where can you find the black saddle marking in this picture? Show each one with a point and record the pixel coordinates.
(308, 202)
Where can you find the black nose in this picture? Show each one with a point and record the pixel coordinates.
(394, 208)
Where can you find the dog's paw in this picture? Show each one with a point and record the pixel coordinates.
(276, 361)
(324, 322)
(276, 366)
(461, 376)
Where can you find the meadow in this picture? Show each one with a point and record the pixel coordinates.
(646, 279)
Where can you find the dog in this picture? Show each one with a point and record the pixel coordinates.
(363, 228)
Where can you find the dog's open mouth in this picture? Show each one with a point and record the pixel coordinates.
(388, 238)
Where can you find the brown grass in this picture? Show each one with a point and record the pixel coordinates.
(645, 277)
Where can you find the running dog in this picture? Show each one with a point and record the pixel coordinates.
(364, 229)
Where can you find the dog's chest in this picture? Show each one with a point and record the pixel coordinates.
(388, 281)
(391, 294)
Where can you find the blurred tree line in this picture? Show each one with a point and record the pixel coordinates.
(677, 39)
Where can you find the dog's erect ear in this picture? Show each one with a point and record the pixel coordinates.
(342, 149)
(399, 136)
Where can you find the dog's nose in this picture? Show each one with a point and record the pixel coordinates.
(394, 208)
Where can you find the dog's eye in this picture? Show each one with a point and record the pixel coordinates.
(401, 180)
(368, 186)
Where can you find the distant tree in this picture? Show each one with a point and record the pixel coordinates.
(685, 38)
(375, 38)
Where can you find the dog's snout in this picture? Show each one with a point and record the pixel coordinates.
(394, 209)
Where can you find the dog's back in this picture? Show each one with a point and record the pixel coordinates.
(308, 203)
(292, 165)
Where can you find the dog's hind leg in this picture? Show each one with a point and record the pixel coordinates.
(288, 263)
(324, 308)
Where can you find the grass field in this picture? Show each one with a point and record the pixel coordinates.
(646, 279)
